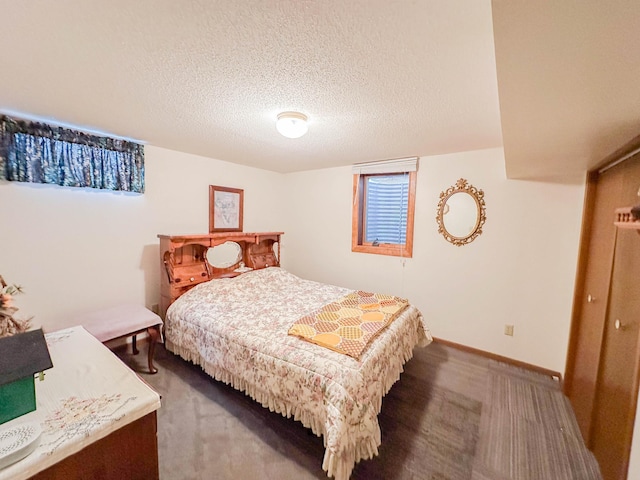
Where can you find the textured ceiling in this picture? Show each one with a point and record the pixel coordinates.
(378, 78)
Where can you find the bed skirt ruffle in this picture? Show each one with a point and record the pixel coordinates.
(337, 463)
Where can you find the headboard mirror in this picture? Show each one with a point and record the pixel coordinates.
(461, 213)
(189, 260)
(224, 255)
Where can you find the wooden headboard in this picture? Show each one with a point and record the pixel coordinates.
(183, 260)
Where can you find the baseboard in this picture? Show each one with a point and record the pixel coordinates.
(500, 358)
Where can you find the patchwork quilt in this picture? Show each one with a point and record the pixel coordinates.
(348, 325)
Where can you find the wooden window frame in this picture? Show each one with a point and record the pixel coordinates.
(357, 220)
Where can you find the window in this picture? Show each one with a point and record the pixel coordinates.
(383, 207)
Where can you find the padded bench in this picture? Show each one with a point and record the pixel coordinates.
(124, 321)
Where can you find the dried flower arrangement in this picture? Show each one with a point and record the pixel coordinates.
(9, 324)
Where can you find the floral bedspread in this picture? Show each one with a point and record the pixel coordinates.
(236, 329)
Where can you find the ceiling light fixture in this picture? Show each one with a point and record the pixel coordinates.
(292, 124)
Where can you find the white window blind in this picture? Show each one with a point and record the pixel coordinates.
(386, 200)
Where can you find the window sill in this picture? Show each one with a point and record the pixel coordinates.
(404, 251)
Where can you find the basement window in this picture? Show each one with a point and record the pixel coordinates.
(383, 207)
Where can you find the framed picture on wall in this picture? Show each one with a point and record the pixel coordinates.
(225, 209)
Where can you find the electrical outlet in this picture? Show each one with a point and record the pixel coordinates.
(508, 330)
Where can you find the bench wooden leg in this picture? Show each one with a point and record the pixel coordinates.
(134, 346)
(154, 336)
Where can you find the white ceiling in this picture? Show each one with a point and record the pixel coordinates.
(569, 83)
(378, 79)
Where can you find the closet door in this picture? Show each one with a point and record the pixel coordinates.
(592, 290)
(602, 367)
(616, 395)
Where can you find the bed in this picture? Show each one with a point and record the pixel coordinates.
(236, 329)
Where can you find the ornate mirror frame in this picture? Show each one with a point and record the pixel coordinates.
(461, 186)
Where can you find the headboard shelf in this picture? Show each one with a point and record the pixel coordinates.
(183, 259)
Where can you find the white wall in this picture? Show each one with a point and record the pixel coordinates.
(634, 455)
(75, 250)
(520, 271)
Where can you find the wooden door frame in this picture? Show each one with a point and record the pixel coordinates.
(578, 297)
(585, 235)
(627, 151)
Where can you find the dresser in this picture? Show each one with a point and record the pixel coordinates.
(98, 418)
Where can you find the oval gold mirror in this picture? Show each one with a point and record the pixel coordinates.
(224, 255)
(461, 213)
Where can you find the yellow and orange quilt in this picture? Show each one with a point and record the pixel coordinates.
(351, 323)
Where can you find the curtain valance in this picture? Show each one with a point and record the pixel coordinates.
(40, 153)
